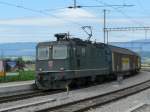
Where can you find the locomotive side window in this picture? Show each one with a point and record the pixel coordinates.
(43, 53)
(83, 51)
(60, 52)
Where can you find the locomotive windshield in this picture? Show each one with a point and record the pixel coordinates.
(59, 52)
(53, 52)
(43, 53)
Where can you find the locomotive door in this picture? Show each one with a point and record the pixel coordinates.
(78, 60)
(116, 62)
(80, 57)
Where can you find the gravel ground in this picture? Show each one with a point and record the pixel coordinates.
(80, 94)
(144, 108)
(132, 103)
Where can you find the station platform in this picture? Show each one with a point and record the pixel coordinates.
(18, 83)
(14, 87)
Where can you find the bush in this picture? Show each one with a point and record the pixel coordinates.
(23, 76)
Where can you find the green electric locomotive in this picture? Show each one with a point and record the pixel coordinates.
(71, 60)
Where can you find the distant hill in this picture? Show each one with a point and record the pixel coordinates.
(142, 40)
(28, 48)
(18, 49)
(137, 45)
(136, 41)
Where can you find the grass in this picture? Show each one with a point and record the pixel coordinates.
(23, 76)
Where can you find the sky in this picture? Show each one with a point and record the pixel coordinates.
(39, 20)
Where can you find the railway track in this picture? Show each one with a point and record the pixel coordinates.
(92, 102)
(146, 69)
(84, 104)
(30, 94)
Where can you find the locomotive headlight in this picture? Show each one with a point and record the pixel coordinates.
(62, 69)
(40, 69)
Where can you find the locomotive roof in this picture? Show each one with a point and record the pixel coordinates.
(50, 43)
(121, 50)
(98, 44)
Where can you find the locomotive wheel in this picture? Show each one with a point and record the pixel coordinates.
(88, 81)
(99, 79)
(79, 82)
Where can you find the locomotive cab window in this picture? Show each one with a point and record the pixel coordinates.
(60, 52)
(43, 53)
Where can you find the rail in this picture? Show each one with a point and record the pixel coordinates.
(92, 102)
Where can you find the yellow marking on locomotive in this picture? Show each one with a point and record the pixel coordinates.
(125, 63)
(125, 60)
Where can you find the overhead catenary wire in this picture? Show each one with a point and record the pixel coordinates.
(38, 11)
(56, 9)
(48, 14)
(120, 11)
(41, 11)
(145, 11)
(88, 6)
(67, 20)
(127, 28)
(108, 5)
